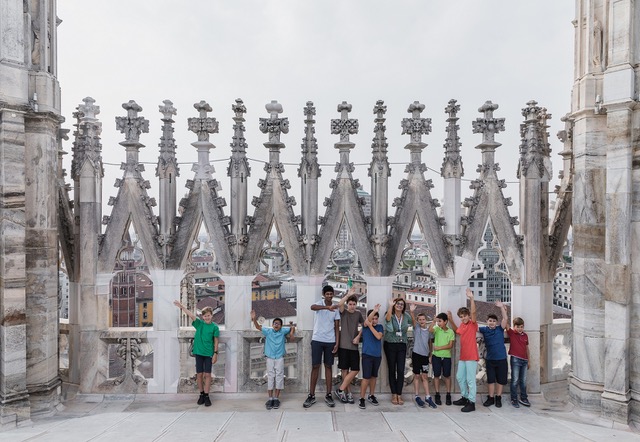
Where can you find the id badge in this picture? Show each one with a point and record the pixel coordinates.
(399, 334)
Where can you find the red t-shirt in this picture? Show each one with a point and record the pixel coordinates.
(518, 344)
(468, 345)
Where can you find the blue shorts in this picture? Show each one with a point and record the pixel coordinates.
(320, 350)
(441, 366)
(496, 371)
(370, 366)
(204, 364)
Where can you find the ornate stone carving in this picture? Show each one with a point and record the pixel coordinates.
(86, 146)
(452, 164)
(273, 125)
(167, 159)
(488, 126)
(344, 126)
(202, 125)
(132, 125)
(416, 126)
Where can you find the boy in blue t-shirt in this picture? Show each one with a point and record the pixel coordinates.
(496, 356)
(274, 350)
(372, 333)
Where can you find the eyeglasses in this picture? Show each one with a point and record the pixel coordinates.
(400, 303)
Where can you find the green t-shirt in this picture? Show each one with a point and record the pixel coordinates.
(441, 338)
(203, 339)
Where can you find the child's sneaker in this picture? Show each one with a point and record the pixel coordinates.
(362, 404)
(309, 401)
(515, 403)
(430, 402)
(448, 399)
(489, 402)
(269, 404)
(471, 406)
(374, 400)
(350, 398)
(438, 400)
(276, 403)
(461, 402)
(525, 402)
(329, 401)
(498, 401)
(201, 399)
(341, 395)
(420, 402)
(207, 400)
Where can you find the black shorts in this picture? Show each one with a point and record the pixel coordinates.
(203, 364)
(370, 366)
(420, 363)
(441, 366)
(348, 359)
(320, 350)
(496, 371)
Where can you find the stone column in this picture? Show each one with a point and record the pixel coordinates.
(309, 291)
(237, 312)
(618, 248)
(14, 402)
(41, 248)
(163, 337)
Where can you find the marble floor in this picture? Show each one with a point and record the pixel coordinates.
(243, 417)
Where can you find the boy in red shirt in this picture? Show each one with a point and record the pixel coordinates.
(519, 351)
(468, 363)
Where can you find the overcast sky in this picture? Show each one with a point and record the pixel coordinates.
(326, 51)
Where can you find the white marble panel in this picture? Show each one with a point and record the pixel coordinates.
(309, 292)
(616, 368)
(12, 30)
(588, 357)
(618, 86)
(237, 300)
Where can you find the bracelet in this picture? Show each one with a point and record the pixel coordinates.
(215, 352)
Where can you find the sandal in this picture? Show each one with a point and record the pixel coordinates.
(394, 399)
(400, 401)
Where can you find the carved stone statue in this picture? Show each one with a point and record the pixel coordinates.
(597, 44)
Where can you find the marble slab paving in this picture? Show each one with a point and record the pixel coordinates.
(301, 421)
(139, 426)
(196, 427)
(362, 422)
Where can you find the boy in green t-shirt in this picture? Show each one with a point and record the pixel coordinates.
(444, 337)
(205, 349)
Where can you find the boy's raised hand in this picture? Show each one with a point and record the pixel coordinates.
(253, 315)
(499, 304)
(469, 293)
(376, 308)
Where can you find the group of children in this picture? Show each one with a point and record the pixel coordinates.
(339, 328)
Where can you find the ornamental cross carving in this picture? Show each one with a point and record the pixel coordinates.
(309, 142)
(203, 125)
(88, 110)
(488, 126)
(132, 125)
(273, 125)
(416, 126)
(239, 143)
(345, 126)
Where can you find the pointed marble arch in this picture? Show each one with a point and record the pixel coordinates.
(203, 203)
(488, 201)
(344, 203)
(416, 202)
(132, 204)
(274, 205)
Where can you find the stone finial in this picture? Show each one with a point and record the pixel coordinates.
(88, 110)
(239, 108)
(379, 109)
(167, 110)
(202, 124)
(488, 126)
(379, 145)
(534, 149)
(345, 126)
(273, 125)
(167, 159)
(309, 142)
(132, 125)
(416, 126)
(452, 164)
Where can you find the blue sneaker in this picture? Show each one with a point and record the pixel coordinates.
(525, 402)
(515, 403)
(430, 402)
(420, 402)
